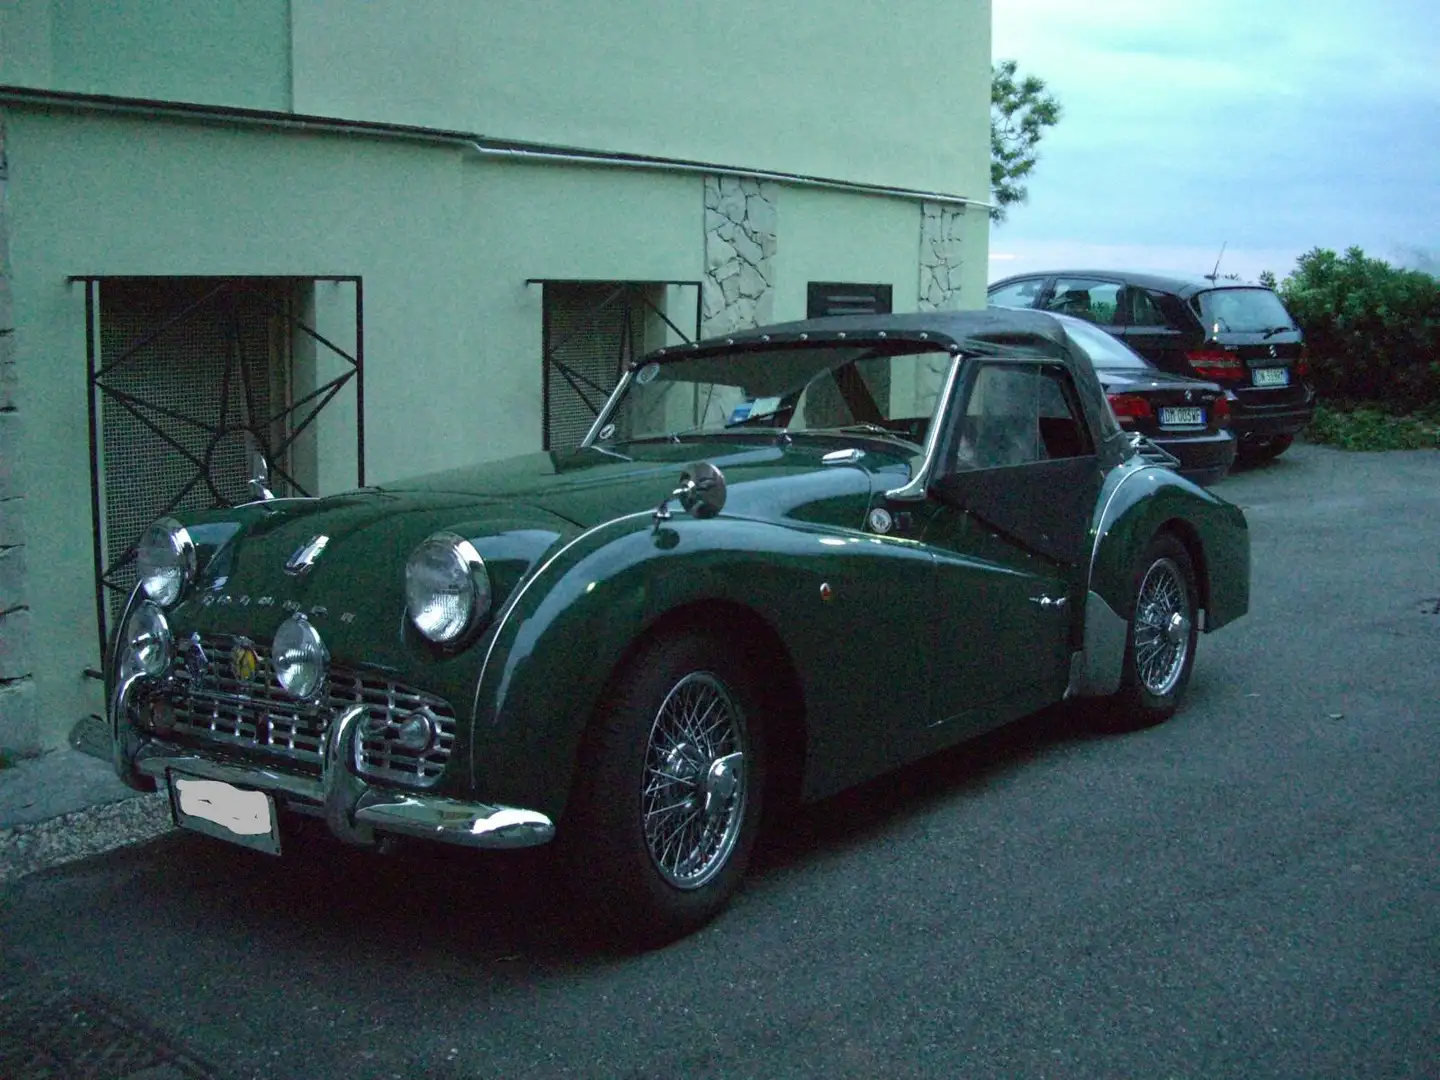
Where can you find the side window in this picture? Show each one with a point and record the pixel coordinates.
(1144, 308)
(1096, 301)
(1020, 414)
(1018, 294)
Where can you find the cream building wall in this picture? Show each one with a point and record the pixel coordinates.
(445, 235)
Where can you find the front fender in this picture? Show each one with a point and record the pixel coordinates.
(574, 621)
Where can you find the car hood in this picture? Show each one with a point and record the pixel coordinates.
(513, 511)
(764, 478)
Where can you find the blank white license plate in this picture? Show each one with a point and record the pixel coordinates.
(216, 808)
(1187, 416)
(1271, 376)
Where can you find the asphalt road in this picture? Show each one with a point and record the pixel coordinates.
(1251, 890)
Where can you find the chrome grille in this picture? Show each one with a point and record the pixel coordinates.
(257, 714)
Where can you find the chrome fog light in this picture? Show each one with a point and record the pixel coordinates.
(416, 733)
(300, 657)
(165, 561)
(447, 588)
(147, 645)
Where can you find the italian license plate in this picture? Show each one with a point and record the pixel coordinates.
(1271, 376)
(1187, 416)
(223, 810)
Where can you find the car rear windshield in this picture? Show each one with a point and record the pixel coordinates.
(1242, 311)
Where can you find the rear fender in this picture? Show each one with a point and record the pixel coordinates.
(1138, 502)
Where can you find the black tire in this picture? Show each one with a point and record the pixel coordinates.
(1258, 452)
(1154, 677)
(639, 847)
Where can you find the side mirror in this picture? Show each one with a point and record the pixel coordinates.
(260, 476)
(701, 493)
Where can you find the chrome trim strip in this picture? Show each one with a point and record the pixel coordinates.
(1101, 526)
(428, 817)
(604, 412)
(455, 822)
(519, 594)
(342, 788)
(156, 760)
(914, 491)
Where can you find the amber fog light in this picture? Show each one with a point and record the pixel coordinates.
(300, 657)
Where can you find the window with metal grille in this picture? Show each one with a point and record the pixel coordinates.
(188, 391)
(190, 379)
(838, 298)
(592, 331)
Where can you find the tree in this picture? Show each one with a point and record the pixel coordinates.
(1020, 111)
(1372, 329)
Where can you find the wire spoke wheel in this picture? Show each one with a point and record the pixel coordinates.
(1162, 627)
(693, 794)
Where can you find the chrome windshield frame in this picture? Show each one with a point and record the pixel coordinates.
(914, 490)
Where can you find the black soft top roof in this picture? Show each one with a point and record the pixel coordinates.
(952, 330)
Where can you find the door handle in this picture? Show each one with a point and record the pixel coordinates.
(1056, 602)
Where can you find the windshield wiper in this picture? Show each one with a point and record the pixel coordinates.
(1272, 331)
(862, 429)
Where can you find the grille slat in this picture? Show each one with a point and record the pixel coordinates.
(256, 714)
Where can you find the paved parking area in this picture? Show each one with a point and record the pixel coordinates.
(1251, 890)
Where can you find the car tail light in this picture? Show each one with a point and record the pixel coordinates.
(1216, 364)
(1302, 366)
(1220, 410)
(1129, 407)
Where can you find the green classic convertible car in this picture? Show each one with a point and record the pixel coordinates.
(779, 564)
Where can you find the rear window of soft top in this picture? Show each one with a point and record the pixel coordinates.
(1242, 310)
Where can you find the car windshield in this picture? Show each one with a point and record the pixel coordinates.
(889, 392)
(1242, 311)
(1103, 350)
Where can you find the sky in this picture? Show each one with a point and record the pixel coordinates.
(1269, 126)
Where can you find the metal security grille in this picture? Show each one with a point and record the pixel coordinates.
(189, 379)
(592, 330)
(178, 420)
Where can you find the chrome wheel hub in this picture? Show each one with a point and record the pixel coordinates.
(1162, 627)
(692, 801)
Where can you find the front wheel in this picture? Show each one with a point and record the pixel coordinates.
(667, 802)
(1160, 643)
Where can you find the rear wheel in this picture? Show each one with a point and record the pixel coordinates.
(667, 803)
(1160, 644)
(1259, 451)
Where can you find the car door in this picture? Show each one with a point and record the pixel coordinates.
(1009, 518)
(1155, 326)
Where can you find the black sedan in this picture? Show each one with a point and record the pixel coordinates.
(1187, 418)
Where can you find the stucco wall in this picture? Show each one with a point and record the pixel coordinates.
(884, 93)
(445, 242)
(18, 728)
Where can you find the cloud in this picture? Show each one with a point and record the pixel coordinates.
(1275, 124)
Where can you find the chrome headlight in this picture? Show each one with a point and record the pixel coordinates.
(165, 561)
(447, 588)
(300, 657)
(146, 644)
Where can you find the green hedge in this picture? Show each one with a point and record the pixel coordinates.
(1373, 330)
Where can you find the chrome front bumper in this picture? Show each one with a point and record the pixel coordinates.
(354, 810)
